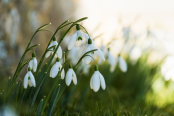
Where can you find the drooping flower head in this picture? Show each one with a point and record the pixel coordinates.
(104, 51)
(97, 80)
(90, 47)
(77, 38)
(58, 52)
(122, 64)
(29, 79)
(33, 62)
(70, 75)
(56, 68)
(112, 60)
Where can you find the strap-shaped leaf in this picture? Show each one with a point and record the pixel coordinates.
(48, 97)
(39, 108)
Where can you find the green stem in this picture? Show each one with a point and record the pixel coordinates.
(49, 63)
(22, 58)
(40, 63)
(84, 56)
(62, 40)
(85, 30)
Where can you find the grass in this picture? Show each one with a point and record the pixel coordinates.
(126, 94)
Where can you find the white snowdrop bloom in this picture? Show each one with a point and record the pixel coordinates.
(82, 68)
(77, 39)
(112, 60)
(58, 52)
(98, 52)
(74, 54)
(102, 48)
(56, 68)
(97, 80)
(122, 64)
(70, 75)
(29, 79)
(33, 62)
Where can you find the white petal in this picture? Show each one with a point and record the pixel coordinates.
(63, 74)
(111, 59)
(50, 45)
(74, 77)
(85, 35)
(30, 84)
(87, 59)
(30, 64)
(34, 64)
(122, 64)
(91, 82)
(59, 52)
(32, 79)
(54, 43)
(72, 41)
(48, 54)
(95, 81)
(99, 53)
(68, 77)
(78, 42)
(102, 81)
(112, 68)
(26, 81)
(54, 70)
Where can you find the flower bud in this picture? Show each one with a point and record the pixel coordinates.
(33, 54)
(78, 27)
(70, 65)
(96, 68)
(89, 41)
(54, 38)
(29, 69)
(58, 59)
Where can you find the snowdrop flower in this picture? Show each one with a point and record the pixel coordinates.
(112, 61)
(97, 80)
(82, 68)
(122, 64)
(33, 62)
(77, 39)
(75, 54)
(104, 51)
(56, 68)
(29, 79)
(70, 75)
(59, 50)
(90, 47)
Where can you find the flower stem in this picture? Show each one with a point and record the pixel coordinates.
(23, 56)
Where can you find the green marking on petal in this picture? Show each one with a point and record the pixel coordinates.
(79, 38)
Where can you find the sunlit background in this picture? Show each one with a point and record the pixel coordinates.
(139, 30)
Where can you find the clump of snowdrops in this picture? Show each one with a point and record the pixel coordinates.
(18, 90)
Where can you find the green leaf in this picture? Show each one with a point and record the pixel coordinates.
(46, 101)
(39, 108)
(37, 89)
(53, 100)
